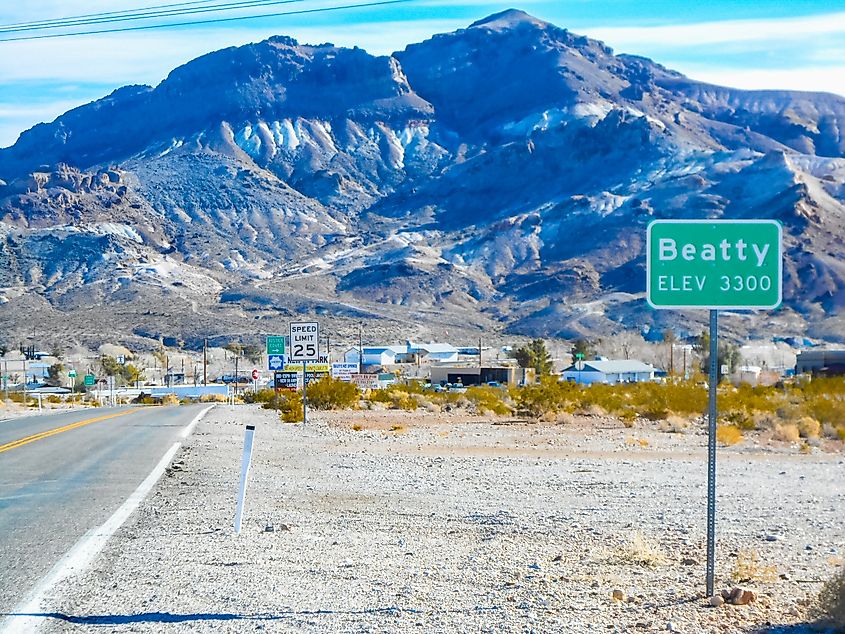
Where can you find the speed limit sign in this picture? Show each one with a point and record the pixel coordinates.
(255, 375)
(304, 337)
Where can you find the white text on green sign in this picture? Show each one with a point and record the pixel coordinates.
(715, 264)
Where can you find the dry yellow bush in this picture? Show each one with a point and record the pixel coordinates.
(564, 418)
(213, 398)
(357, 427)
(728, 434)
(674, 424)
(788, 432)
(639, 550)
(831, 602)
(748, 567)
(170, 399)
(809, 427)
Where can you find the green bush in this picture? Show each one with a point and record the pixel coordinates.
(290, 407)
(261, 396)
(547, 397)
(487, 398)
(329, 393)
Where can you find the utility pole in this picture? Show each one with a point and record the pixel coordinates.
(237, 377)
(205, 361)
(479, 357)
(360, 348)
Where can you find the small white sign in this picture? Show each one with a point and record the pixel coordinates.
(304, 341)
(726, 369)
(366, 381)
(344, 371)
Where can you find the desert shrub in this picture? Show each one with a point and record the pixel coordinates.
(674, 424)
(639, 550)
(357, 427)
(487, 398)
(16, 397)
(380, 396)
(329, 393)
(628, 417)
(809, 427)
(830, 606)
(728, 434)
(825, 409)
(289, 406)
(261, 396)
(53, 399)
(548, 397)
(748, 567)
(213, 398)
(787, 432)
(170, 399)
(397, 397)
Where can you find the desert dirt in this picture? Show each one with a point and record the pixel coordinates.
(390, 521)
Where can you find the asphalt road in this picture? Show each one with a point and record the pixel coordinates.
(60, 484)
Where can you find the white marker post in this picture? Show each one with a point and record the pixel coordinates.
(247, 460)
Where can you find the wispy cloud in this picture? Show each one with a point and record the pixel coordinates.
(724, 31)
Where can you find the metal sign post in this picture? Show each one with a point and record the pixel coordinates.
(714, 264)
(711, 452)
(304, 347)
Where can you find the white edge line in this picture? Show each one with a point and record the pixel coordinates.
(190, 427)
(27, 616)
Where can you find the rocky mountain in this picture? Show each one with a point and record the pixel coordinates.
(497, 178)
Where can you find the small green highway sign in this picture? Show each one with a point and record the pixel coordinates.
(715, 264)
(72, 374)
(275, 345)
(90, 379)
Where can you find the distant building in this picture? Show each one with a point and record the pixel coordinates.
(506, 375)
(609, 371)
(823, 362)
(433, 352)
(378, 355)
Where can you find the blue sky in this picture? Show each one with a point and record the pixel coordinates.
(796, 44)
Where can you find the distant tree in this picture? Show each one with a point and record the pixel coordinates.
(57, 351)
(253, 353)
(4, 348)
(132, 374)
(161, 357)
(110, 365)
(535, 355)
(669, 339)
(54, 374)
(729, 353)
(582, 346)
(235, 347)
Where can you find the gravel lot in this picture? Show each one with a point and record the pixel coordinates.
(456, 524)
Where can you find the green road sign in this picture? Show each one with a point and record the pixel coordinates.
(72, 374)
(90, 379)
(715, 264)
(275, 345)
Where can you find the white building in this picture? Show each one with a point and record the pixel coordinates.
(434, 352)
(377, 355)
(608, 371)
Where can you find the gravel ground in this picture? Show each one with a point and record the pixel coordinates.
(450, 523)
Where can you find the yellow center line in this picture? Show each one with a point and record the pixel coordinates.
(58, 430)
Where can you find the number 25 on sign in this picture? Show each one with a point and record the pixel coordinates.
(715, 264)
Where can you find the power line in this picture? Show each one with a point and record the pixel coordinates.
(147, 27)
(146, 15)
(94, 15)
